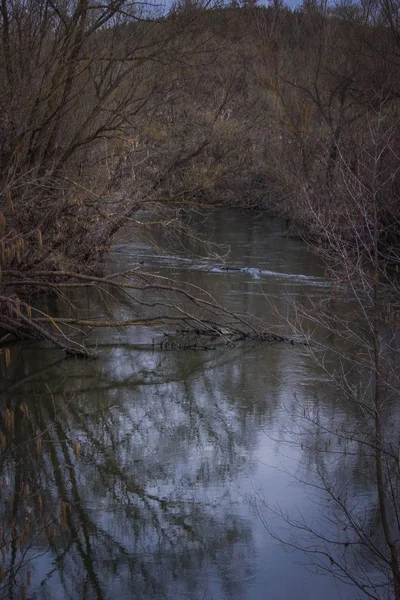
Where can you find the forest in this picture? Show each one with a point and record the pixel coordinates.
(121, 116)
(111, 110)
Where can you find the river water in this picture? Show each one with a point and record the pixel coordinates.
(151, 473)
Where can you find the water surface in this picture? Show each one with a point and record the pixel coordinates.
(148, 471)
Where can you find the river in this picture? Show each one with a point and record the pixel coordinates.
(150, 473)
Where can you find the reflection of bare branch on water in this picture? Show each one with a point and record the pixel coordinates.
(159, 300)
(98, 496)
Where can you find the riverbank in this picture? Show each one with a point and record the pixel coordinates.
(180, 112)
(149, 456)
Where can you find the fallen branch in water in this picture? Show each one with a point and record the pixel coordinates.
(192, 310)
(23, 326)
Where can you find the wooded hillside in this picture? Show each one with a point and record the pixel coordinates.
(108, 108)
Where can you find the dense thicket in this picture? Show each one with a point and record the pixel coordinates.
(106, 110)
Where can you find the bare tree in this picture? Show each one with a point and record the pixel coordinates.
(95, 128)
(353, 338)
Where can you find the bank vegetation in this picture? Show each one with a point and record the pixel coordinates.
(112, 109)
(118, 117)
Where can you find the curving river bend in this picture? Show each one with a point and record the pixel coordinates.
(156, 468)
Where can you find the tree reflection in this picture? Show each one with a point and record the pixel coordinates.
(123, 485)
(334, 449)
